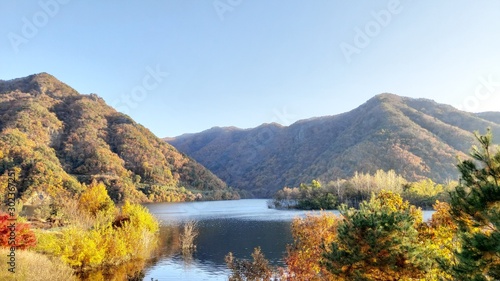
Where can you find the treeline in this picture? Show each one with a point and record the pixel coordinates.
(385, 238)
(359, 188)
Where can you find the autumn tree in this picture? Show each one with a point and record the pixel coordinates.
(95, 199)
(439, 236)
(424, 193)
(306, 252)
(24, 237)
(360, 186)
(475, 206)
(109, 241)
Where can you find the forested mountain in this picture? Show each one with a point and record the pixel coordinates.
(418, 138)
(55, 139)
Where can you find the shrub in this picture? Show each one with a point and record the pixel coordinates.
(258, 269)
(95, 199)
(140, 233)
(140, 217)
(81, 248)
(24, 236)
(189, 233)
(105, 243)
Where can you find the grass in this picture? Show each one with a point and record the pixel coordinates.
(32, 266)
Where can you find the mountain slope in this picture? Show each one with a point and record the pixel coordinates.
(54, 138)
(416, 137)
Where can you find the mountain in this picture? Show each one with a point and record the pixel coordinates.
(55, 139)
(418, 138)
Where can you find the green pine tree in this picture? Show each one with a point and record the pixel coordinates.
(476, 209)
(378, 242)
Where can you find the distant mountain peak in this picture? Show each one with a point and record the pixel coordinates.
(75, 139)
(387, 96)
(383, 98)
(36, 84)
(418, 138)
(43, 76)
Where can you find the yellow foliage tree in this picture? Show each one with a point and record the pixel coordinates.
(140, 217)
(107, 239)
(95, 199)
(395, 203)
(139, 234)
(132, 235)
(440, 237)
(118, 248)
(81, 248)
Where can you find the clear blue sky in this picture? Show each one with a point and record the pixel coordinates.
(243, 63)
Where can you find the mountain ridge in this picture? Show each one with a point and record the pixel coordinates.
(418, 138)
(55, 139)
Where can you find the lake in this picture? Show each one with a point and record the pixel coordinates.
(224, 226)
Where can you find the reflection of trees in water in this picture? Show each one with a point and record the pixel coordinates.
(171, 244)
(218, 237)
(187, 257)
(130, 271)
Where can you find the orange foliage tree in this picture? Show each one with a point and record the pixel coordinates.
(24, 237)
(304, 256)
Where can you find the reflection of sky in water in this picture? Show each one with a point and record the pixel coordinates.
(252, 209)
(175, 268)
(225, 226)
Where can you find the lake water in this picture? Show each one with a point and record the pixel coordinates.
(224, 226)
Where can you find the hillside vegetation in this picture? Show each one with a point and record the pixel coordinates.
(417, 138)
(385, 238)
(55, 139)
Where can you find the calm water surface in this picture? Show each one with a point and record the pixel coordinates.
(225, 226)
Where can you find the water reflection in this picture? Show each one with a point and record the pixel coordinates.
(216, 239)
(130, 271)
(224, 226)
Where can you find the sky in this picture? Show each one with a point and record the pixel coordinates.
(184, 66)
